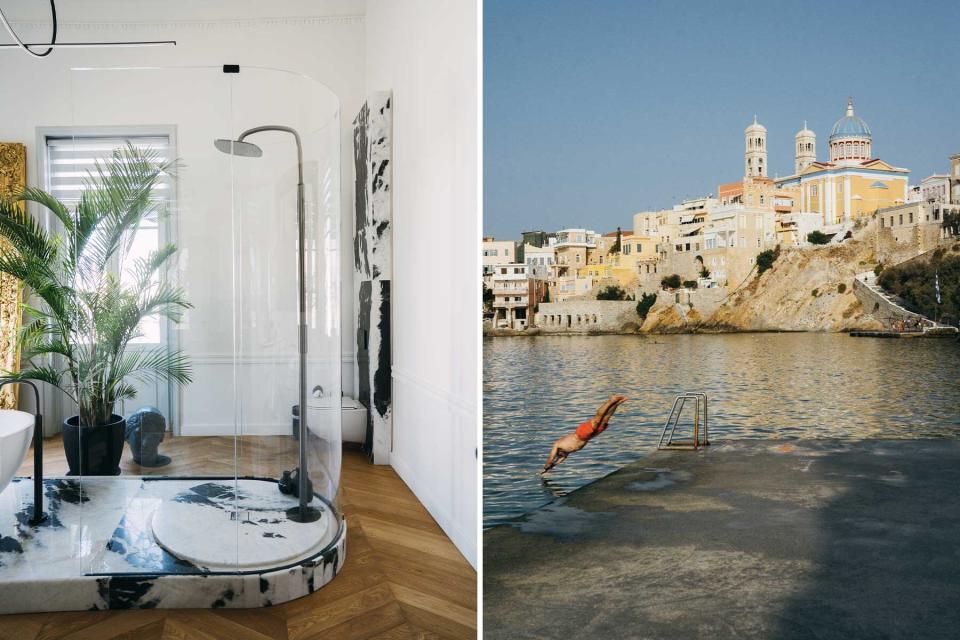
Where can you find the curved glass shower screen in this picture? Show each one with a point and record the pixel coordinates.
(237, 468)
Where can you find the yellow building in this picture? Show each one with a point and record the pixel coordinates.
(852, 183)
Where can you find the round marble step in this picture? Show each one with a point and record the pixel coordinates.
(225, 525)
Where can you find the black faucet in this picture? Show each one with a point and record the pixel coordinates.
(38, 515)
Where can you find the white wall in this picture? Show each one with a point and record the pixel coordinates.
(425, 51)
(327, 45)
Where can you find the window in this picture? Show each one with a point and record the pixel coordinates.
(68, 158)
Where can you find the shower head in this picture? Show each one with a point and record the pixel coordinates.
(238, 148)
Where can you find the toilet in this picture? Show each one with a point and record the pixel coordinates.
(353, 417)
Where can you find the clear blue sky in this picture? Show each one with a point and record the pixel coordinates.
(596, 109)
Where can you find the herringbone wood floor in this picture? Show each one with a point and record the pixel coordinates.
(403, 577)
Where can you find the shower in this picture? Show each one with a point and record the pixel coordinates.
(303, 512)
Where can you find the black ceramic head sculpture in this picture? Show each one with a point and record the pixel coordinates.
(145, 430)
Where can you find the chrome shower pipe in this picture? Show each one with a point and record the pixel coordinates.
(234, 148)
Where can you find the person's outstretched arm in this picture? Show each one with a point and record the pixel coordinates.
(552, 460)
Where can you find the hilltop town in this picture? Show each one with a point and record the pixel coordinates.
(795, 253)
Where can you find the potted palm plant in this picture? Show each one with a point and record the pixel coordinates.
(90, 302)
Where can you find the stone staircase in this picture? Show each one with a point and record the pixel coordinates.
(891, 309)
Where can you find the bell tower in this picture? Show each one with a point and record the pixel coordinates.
(755, 150)
(806, 148)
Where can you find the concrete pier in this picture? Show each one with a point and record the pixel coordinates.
(750, 539)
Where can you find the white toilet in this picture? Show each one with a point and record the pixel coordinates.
(353, 418)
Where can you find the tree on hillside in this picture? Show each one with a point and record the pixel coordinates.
(617, 245)
(646, 302)
(816, 237)
(916, 283)
(765, 259)
(612, 292)
(487, 298)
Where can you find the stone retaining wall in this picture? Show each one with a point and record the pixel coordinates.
(587, 316)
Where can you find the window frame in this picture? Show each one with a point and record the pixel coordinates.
(167, 228)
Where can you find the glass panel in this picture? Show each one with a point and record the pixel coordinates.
(198, 488)
(298, 142)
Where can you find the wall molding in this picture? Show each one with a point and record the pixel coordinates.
(200, 25)
(346, 357)
(456, 402)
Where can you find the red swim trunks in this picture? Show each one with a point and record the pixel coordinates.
(587, 430)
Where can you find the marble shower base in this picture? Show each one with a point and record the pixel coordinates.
(98, 550)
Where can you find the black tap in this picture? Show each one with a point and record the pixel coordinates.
(38, 515)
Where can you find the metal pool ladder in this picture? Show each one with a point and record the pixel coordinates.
(696, 441)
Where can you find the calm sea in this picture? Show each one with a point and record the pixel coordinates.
(798, 385)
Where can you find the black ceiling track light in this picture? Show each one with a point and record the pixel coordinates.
(53, 44)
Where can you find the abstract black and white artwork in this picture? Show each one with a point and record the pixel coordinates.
(372, 234)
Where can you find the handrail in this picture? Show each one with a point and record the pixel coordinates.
(674, 419)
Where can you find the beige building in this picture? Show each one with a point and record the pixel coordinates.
(731, 241)
(511, 295)
(539, 261)
(573, 248)
(918, 223)
(497, 252)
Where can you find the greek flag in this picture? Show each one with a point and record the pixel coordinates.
(936, 285)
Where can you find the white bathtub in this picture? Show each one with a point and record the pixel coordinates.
(16, 430)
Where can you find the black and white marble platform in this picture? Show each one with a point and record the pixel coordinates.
(232, 544)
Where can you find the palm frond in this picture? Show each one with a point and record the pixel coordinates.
(87, 315)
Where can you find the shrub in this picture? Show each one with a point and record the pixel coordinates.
(612, 292)
(765, 260)
(646, 302)
(704, 273)
(816, 237)
(690, 284)
(815, 293)
(841, 288)
(877, 270)
(672, 281)
(914, 282)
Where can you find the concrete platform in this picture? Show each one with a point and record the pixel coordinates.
(753, 539)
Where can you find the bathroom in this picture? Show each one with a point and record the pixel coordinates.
(209, 508)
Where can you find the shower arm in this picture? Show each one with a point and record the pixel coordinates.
(302, 477)
(38, 515)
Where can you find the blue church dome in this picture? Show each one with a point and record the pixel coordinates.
(850, 125)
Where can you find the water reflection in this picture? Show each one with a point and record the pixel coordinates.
(760, 386)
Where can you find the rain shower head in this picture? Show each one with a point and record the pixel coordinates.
(238, 148)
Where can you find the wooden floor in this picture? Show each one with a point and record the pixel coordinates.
(403, 577)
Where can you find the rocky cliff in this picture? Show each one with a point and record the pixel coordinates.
(807, 289)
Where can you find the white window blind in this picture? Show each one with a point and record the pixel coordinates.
(70, 159)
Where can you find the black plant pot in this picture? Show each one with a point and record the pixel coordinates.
(94, 451)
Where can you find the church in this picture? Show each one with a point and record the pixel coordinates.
(850, 184)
